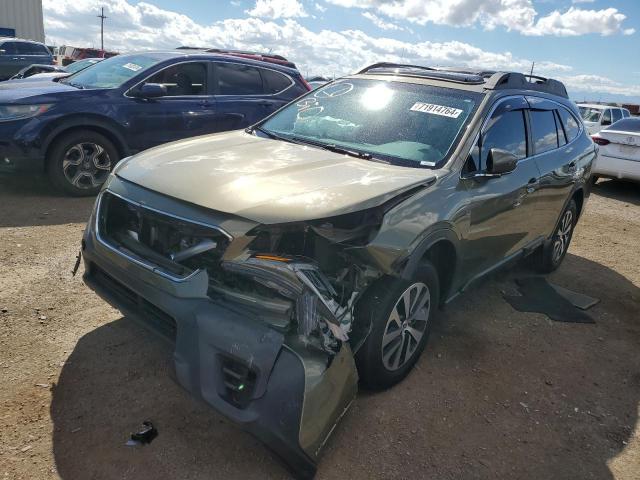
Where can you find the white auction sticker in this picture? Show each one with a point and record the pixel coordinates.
(132, 66)
(436, 109)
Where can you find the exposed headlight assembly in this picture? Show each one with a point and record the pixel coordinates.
(9, 113)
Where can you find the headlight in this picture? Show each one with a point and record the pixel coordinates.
(20, 112)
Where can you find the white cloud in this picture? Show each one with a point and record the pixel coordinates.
(277, 9)
(596, 84)
(516, 15)
(321, 8)
(145, 27)
(576, 21)
(380, 23)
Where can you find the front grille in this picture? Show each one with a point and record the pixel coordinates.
(160, 321)
(169, 245)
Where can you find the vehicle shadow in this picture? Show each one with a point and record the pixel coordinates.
(497, 394)
(30, 200)
(618, 190)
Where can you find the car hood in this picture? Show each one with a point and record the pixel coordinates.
(17, 91)
(267, 181)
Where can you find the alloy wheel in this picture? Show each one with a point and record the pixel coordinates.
(86, 165)
(563, 236)
(406, 326)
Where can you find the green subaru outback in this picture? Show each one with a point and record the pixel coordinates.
(289, 261)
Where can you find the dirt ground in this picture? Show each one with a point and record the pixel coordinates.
(497, 394)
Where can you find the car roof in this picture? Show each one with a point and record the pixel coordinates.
(203, 55)
(13, 39)
(478, 80)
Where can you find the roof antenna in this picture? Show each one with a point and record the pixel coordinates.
(531, 74)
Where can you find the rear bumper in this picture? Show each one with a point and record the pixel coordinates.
(616, 167)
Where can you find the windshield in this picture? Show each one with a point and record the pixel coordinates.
(114, 71)
(403, 123)
(590, 114)
(80, 65)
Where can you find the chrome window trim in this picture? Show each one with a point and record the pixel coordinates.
(141, 82)
(146, 265)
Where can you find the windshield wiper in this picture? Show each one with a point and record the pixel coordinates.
(332, 147)
(274, 136)
(326, 146)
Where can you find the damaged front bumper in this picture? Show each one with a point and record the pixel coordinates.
(272, 382)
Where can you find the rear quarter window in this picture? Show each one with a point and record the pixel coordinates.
(274, 82)
(543, 131)
(570, 124)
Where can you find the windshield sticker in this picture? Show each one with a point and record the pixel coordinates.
(436, 109)
(132, 66)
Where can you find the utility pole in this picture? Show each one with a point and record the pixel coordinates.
(102, 18)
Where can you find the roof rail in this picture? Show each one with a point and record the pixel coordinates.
(265, 57)
(393, 65)
(514, 80)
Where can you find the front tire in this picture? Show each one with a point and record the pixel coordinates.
(80, 162)
(554, 250)
(401, 313)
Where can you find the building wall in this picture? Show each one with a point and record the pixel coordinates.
(24, 16)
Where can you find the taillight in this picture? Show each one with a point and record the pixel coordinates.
(599, 140)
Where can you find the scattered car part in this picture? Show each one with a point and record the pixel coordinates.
(538, 296)
(144, 436)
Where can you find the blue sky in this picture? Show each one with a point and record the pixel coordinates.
(592, 45)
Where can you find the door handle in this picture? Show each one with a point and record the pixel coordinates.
(532, 185)
(572, 165)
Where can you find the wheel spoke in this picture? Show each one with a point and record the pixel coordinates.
(390, 336)
(406, 298)
(390, 352)
(415, 333)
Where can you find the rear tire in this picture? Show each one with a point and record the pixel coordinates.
(80, 162)
(551, 254)
(396, 340)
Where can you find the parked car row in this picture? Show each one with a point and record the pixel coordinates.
(16, 54)
(39, 72)
(77, 128)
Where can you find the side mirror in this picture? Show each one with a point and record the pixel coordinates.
(152, 90)
(500, 161)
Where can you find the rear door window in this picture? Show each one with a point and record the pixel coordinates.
(274, 82)
(238, 79)
(606, 118)
(570, 124)
(505, 131)
(617, 115)
(543, 131)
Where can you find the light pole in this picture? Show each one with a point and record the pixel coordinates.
(102, 18)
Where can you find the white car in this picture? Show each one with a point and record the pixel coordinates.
(595, 116)
(619, 152)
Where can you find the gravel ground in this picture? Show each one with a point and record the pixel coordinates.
(497, 394)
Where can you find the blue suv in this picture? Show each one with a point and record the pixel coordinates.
(78, 128)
